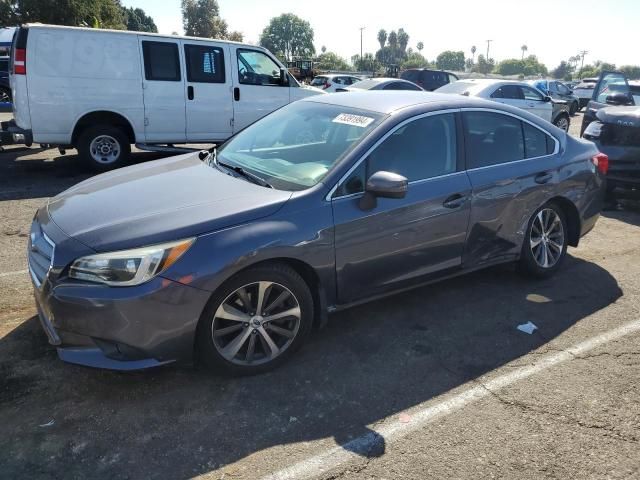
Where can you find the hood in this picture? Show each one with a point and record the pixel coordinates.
(159, 201)
(624, 116)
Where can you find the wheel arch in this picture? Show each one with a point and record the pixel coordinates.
(572, 216)
(102, 117)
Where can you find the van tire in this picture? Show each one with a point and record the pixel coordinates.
(104, 147)
(5, 95)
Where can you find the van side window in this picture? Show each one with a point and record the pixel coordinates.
(204, 64)
(161, 61)
(257, 68)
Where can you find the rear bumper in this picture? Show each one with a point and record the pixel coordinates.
(12, 134)
(624, 165)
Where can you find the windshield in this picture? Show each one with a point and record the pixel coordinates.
(296, 146)
(318, 81)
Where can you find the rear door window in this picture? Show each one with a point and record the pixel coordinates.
(204, 64)
(512, 92)
(492, 139)
(536, 142)
(161, 61)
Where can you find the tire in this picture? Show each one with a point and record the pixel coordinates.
(573, 109)
(562, 122)
(104, 147)
(217, 350)
(532, 258)
(5, 95)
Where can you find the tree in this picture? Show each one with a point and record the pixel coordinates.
(235, 36)
(367, 63)
(483, 65)
(382, 37)
(524, 48)
(563, 70)
(393, 40)
(201, 18)
(323, 49)
(473, 53)
(415, 60)
(137, 20)
(450, 60)
(331, 61)
(420, 46)
(288, 36)
(510, 66)
(403, 40)
(631, 71)
(99, 13)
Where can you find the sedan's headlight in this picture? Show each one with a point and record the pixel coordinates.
(129, 267)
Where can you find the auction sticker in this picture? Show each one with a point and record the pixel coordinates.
(355, 120)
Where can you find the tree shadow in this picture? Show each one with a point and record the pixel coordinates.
(369, 363)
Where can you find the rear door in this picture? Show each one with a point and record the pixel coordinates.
(163, 90)
(209, 107)
(257, 89)
(609, 83)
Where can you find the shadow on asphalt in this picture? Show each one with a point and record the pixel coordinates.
(369, 363)
(23, 178)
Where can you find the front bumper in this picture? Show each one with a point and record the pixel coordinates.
(120, 328)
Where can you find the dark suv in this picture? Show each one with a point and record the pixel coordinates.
(612, 122)
(429, 80)
(5, 89)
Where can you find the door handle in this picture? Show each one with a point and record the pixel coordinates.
(236, 94)
(455, 201)
(190, 92)
(543, 178)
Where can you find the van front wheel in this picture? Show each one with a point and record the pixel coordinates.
(104, 147)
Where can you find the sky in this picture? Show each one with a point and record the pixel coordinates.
(552, 30)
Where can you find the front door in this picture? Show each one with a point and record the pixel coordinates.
(208, 86)
(163, 90)
(257, 88)
(401, 242)
(536, 103)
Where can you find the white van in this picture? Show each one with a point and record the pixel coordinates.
(102, 90)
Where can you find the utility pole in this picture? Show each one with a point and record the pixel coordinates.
(488, 43)
(582, 54)
(361, 30)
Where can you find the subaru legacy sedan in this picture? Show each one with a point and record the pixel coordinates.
(234, 256)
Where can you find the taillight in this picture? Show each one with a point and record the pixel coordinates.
(326, 85)
(601, 161)
(20, 62)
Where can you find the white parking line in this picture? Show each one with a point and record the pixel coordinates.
(393, 429)
(17, 272)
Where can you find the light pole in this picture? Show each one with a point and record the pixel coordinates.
(361, 30)
(488, 43)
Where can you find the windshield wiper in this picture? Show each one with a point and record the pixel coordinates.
(212, 158)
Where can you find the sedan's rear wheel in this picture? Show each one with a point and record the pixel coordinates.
(545, 244)
(256, 321)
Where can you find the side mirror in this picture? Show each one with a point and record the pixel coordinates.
(284, 78)
(385, 185)
(546, 98)
(619, 99)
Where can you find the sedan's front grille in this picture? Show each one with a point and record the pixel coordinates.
(41, 250)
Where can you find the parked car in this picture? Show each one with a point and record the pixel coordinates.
(327, 202)
(517, 94)
(558, 91)
(5, 88)
(329, 83)
(128, 87)
(381, 84)
(429, 80)
(584, 90)
(612, 122)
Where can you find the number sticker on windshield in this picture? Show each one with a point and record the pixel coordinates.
(355, 120)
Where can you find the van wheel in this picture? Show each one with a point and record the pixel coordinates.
(104, 147)
(5, 95)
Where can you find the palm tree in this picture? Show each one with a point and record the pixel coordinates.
(420, 46)
(473, 53)
(382, 37)
(524, 48)
(403, 39)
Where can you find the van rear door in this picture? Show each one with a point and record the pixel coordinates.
(18, 78)
(163, 90)
(209, 107)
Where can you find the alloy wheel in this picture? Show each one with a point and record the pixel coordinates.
(5, 96)
(105, 149)
(547, 238)
(256, 323)
(563, 124)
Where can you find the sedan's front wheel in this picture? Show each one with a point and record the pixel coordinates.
(255, 321)
(545, 244)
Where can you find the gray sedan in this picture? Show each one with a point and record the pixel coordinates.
(233, 256)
